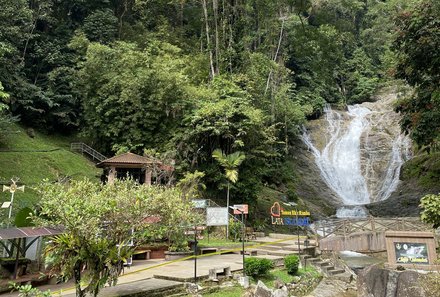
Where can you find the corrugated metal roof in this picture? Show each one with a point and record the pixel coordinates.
(25, 232)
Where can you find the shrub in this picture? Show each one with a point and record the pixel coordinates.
(257, 267)
(235, 229)
(291, 263)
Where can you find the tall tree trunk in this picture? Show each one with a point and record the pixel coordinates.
(217, 50)
(270, 73)
(125, 6)
(208, 43)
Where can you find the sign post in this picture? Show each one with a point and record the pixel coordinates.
(295, 217)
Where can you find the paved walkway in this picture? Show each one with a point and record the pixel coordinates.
(146, 275)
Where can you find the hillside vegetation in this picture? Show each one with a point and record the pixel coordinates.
(181, 79)
(32, 159)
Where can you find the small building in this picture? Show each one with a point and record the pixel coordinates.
(144, 170)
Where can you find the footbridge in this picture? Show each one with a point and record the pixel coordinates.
(362, 235)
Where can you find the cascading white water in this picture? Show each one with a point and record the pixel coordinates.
(340, 161)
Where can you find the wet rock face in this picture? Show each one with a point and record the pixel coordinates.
(359, 151)
(378, 282)
(383, 148)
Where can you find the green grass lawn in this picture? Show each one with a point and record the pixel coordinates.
(18, 160)
(227, 292)
(282, 275)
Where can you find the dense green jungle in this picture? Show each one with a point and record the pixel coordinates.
(178, 79)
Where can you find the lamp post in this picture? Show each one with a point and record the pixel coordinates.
(295, 205)
(195, 256)
(12, 188)
(242, 235)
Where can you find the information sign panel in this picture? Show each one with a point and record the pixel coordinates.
(200, 203)
(411, 253)
(239, 208)
(216, 216)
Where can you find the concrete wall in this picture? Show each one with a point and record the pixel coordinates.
(367, 241)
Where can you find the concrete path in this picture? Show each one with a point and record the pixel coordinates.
(157, 273)
(147, 287)
(144, 275)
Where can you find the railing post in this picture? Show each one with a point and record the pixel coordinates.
(373, 226)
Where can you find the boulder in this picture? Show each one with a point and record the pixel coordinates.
(407, 285)
(374, 281)
(281, 292)
(262, 291)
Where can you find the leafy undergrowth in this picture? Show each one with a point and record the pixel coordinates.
(425, 168)
(281, 275)
(33, 159)
(226, 292)
(276, 275)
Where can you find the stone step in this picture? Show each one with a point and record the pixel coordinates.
(271, 241)
(261, 252)
(285, 236)
(282, 253)
(323, 263)
(336, 271)
(313, 260)
(328, 268)
(271, 247)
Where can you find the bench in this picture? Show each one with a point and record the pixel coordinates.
(208, 250)
(141, 254)
(222, 270)
(249, 252)
(250, 234)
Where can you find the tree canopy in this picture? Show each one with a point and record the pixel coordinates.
(187, 77)
(418, 63)
(103, 224)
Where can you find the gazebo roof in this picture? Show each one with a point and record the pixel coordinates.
(131, 160)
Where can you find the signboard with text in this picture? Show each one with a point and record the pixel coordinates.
(216, 216)
(411, 253)
(279, 216)
(241, 208)
(200, 203)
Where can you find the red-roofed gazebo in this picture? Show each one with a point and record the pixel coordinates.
(140, 168)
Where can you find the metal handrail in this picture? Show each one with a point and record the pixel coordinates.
(84, 148)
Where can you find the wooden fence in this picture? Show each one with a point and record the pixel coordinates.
(362, 235)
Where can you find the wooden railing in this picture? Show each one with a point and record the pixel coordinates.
(344, 227)
(362, 235)
(84, 148)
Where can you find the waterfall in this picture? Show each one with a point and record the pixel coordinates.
(342, 162)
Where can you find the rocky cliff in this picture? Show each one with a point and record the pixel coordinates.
(393, 190)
